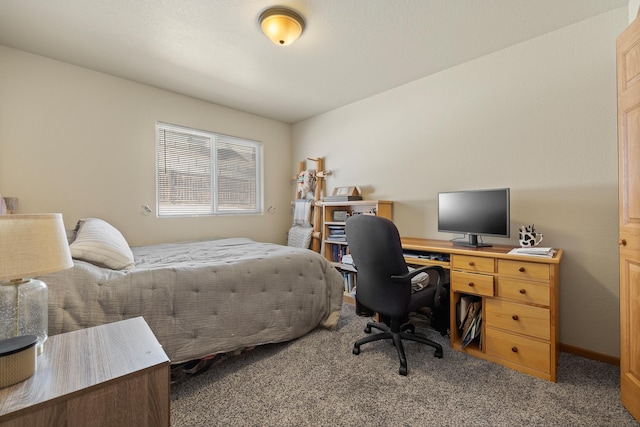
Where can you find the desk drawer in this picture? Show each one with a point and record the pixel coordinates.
(516, 349)
(523, 270)
(471, 283)
(524, 319)
(523, 291)
(473, 263)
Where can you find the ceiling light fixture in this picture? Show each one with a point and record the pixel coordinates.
(282, 25)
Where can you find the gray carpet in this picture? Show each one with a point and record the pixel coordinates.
(316, 381)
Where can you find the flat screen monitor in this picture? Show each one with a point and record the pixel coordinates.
(474, 213)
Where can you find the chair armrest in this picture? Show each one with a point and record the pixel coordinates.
(411, 274)
(439, 284)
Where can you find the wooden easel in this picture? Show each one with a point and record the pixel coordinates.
(321, 174)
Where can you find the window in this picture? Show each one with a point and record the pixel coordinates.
(204, 173)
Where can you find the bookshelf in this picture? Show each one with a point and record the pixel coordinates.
(334, 242)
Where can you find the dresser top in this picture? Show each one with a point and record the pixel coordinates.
(85, 358)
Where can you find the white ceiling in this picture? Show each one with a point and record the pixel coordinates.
(214, 50)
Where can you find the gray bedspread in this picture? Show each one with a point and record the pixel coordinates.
(203, 297)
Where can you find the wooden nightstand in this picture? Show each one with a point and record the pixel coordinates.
(110, 375)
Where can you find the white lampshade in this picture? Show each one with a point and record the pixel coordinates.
(30, 245)
(281, 25)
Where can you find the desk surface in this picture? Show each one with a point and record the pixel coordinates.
(495, 251)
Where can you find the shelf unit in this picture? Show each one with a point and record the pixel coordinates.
(334, 246)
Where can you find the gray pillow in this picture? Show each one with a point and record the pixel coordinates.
(101, 244)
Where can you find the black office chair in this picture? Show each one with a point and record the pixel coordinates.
(384, 283)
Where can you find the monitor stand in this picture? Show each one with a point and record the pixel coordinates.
(472, 243)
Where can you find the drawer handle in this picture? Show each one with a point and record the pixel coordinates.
(521, 269)
(514, 349)
(471, 263)
(522, 291)
(514, 317)
(471, 284)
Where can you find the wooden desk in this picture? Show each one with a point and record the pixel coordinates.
(519, 296)
(111, 375)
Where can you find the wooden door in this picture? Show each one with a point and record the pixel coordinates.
(628, 74)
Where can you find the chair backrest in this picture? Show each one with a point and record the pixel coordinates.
(374, 243)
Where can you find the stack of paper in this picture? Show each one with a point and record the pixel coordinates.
(347, 259)
(535, 251)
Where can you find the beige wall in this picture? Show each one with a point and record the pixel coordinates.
(538, 117)
(633, 9)
(82, 143)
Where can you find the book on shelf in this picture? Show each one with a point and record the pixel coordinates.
(338, 252)
(347, 259)
(472, 325)
(470, 317)
(349, 282)
(337, 233)
(463, 308)
(347, 267)
(341, 198)
(474, 330)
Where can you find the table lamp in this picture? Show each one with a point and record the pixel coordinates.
(30, 245)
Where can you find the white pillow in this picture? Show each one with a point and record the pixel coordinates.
(100, 243)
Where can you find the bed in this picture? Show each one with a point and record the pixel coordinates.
(200, 298)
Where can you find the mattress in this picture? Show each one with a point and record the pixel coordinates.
(203, 297)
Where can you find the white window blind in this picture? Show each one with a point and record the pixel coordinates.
(204, 173)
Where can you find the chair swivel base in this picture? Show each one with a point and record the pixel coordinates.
(396, 334)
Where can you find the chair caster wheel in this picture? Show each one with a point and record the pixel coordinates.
(356, 350)
(411, 329)
(367, 329)
(403, 371)
(438, 353)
